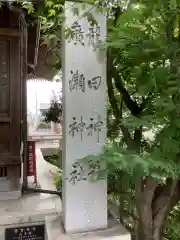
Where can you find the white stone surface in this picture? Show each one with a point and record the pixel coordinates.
(84, 203)
(55, 232)
(117, 232)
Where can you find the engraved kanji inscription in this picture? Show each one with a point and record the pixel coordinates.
(95, 126)
(36, 232)
(94, 35)
(76, 127)
(94, 83)
(77, 81)
(77, 33)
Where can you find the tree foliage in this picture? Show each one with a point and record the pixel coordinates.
(54, 113)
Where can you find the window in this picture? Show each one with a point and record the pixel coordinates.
(3, 171)
(4, 77)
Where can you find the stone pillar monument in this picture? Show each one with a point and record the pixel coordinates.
(84, 123)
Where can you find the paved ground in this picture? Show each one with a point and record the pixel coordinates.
(33, 204)
(36, 208)
(48, 145)
(32, 208)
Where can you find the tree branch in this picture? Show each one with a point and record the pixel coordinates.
(110, 88)
(117, 110)
(132, 105)
(163, 197)
(137, 138)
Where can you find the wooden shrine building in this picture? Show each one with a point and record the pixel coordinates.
(18, 56)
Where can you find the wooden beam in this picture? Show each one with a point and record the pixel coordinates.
(9, 32)
(5, 119)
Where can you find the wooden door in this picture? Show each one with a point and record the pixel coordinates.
(10, 97)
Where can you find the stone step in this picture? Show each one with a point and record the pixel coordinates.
(18, 218)
(29, 224)
(55, 231)
(10, 195)
(14, 219)
(27, 210)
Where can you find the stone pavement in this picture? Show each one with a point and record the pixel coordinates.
(31, 208)
(113, 232)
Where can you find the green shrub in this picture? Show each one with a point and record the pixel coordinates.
(43, 125)
(54, 113)
(173, 224)
(57, 180)
(55, 159)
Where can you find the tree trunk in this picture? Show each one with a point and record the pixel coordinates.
(141, 235)
(151, 235)
(154, 204)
